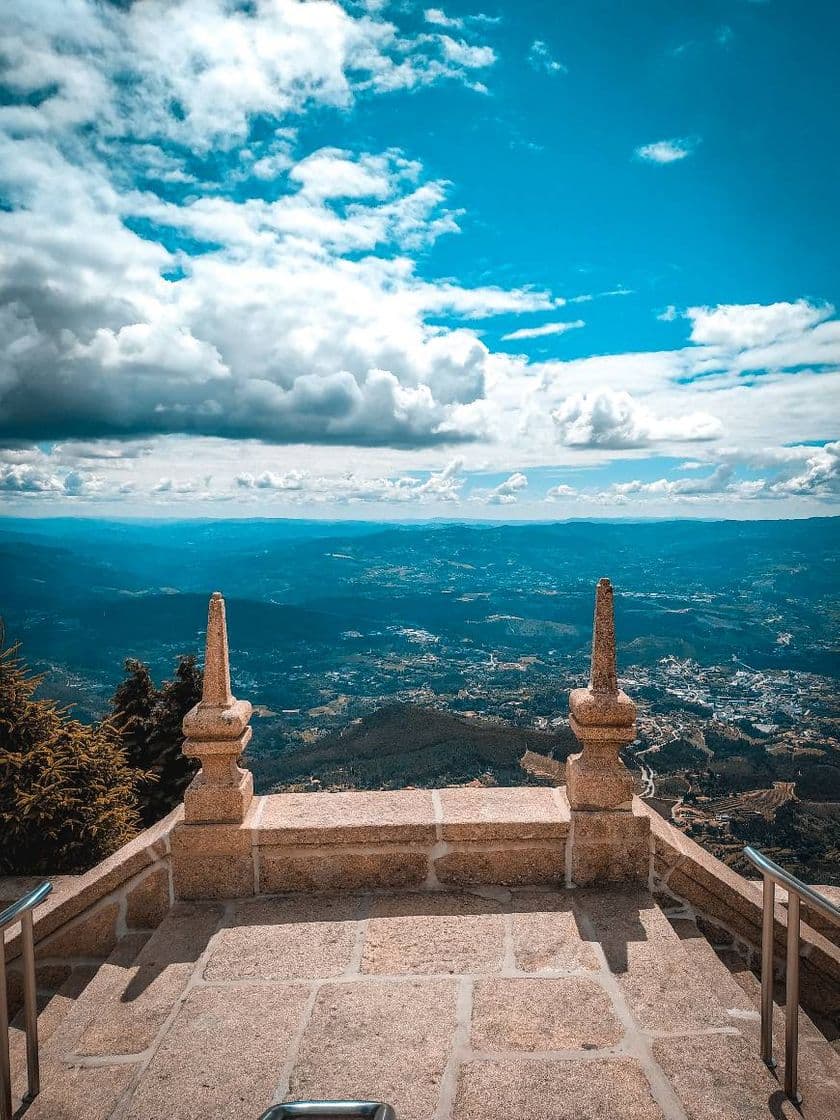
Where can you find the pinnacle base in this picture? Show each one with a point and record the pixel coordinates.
(598, 782)
(609, 847)
(206, 802)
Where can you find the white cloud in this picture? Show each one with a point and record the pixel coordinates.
(742, 326)
(667, 151)
(613, 419)
(440, 486)
(196, 71)
(540, 58)
(561, 491)
(541, 332)
(506, 493)
(668, 315)
(440, 19)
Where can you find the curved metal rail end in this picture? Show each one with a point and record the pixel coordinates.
(330, 1110)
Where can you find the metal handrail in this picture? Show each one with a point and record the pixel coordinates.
(772, 874)
(20, 911)
(331, 1110)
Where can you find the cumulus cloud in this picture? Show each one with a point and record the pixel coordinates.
(507, 492)
(806, 472)
(740, 326)
(197, 71)
(667, 151)
(543, 331)
(440, 486)
(613, 419)
(540, 58)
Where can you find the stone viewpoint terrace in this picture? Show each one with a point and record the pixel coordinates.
(463, 953)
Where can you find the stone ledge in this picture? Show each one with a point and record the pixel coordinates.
(503, 813)
(73, 895)
(365, 817)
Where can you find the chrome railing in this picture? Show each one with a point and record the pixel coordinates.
(331, 1110)
(797, 891)
(20, 911)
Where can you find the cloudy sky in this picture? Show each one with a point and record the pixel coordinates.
(377, 259)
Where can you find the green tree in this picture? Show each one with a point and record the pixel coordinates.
(149, 719)
(68, 794)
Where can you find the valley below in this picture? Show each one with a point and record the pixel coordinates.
(384, 656)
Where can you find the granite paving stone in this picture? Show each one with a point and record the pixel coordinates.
(80, 1094)
(286, 938)
(664, 988)
(127, 1021)
(602, 1089)
(223, 1055)
(434, 932)
(545, 933)
(571, 1013)
(721, 1077)
(379, 1040)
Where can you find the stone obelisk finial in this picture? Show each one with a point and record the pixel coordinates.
(603, 720)
(217, 733)
(603, 677)
(216, 692)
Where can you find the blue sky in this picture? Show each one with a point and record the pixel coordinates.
(530, 260)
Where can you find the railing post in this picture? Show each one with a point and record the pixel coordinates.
(30, 999)
(767, 930)
(5, 1069)
(792, 998)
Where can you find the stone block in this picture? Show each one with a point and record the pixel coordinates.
(598, 782)
(434, 933)
(285, 869)
(286, 938)
(583, 1089)
(511, 867)
(378, 1040)
(572, 1013)
(609, 847)
(91, 935)
(720, 1077)
(80, 1094)
(206, 801)
(212, 861)
(222, 1055)
(545, 933)
(502, 813)
(74, 894)
(147, 902)
(369, 817)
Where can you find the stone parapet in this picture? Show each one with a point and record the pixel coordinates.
(728, 902)
(85, 915)
(378, 840)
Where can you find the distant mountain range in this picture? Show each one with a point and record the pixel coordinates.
(428, 654)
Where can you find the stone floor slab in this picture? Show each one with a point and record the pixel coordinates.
(434, 932)
(286, 938)
(130, 1024)
(546, 936)
(223, 1056)
(572, 1013)
(603, 1089)
(659, 977)
(386, 1040)
(721, 1077)
(81, 1094)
